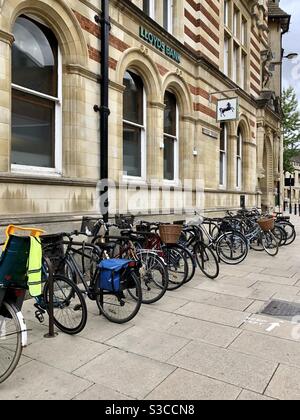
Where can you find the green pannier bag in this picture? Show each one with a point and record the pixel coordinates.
(14, 263)
(21, 264)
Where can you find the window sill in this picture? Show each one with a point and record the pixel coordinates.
(175, 184)
(35, 171)
(132, 180)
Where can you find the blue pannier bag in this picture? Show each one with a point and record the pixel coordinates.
(110, 274)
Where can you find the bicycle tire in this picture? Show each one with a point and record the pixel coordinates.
(232, 241)
(153, 287)
(290, 232)
(71, 299)
(12, 356)
(192, 264)
(280, 234)
(270, 243)
(108, 308)
(177, 265)
(204, 255)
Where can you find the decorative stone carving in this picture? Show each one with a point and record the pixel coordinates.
(267, 57)
(144, 50)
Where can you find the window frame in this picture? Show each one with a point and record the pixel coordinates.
(226, 55)
(58, 163)
(169, 27)
(175, 139)
(151, 14)
(227, 13)
(239, 160)
(143, 139)
(224, 154)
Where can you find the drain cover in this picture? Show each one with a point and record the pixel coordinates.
(282, 309)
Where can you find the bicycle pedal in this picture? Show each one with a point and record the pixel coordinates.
(40, 317)
(77, 308)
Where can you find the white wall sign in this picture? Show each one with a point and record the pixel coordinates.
(228, 109)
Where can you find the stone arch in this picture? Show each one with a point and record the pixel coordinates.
(60, 18)
(244, 125)
(138, 60)
(180, 88)
(247, 158)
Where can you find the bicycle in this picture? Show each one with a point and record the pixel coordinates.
(118, 306)
(14, 276)
(230, 245)
(179, 260)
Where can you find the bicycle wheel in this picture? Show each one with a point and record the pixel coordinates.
(177, 265)
(256, 243)
(10, 340)
(192, 264)
(232, 248)
(121, 307)
(207, 261)
(270, 243)
(70, 310)
(280, 234)
(290, 232)
(153, 275)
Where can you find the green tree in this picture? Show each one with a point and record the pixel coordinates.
(291, 128)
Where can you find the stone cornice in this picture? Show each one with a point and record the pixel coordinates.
(6, 37)
(7, 178)
(158, 105)
(116, 86)
(82, 71)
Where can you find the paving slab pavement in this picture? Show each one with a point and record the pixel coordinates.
(207, 340)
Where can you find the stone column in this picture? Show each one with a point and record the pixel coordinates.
(276, 157)
(260, 150)
(155, 139)
(231, 156)
(178, 13)
(186, 147)
(115, 147)
(6, 41)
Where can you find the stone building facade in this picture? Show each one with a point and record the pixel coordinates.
(292, 189)
(170, 62)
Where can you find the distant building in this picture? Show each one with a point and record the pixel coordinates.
(292, 190)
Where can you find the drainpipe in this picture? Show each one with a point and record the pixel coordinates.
(104, 104)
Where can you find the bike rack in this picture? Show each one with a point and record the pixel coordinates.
(51, 333)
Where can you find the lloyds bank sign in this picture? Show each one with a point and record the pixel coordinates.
(159, 44)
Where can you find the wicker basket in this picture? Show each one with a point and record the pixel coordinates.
(266, 224)
(170, 234)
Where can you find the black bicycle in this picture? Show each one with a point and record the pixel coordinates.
(81, 264)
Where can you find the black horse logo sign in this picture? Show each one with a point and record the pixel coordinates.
(228, 108)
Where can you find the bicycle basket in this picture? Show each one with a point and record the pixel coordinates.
(266, 224)
(170, 234)
(110, 274)
(14, 263)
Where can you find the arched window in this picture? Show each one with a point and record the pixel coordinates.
(171, 120)
(223, 155)
(239, 158)
(134, 126)
(36, 96)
